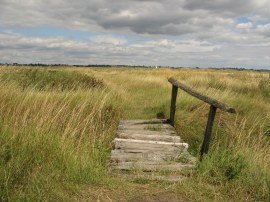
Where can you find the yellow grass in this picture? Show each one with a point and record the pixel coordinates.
(57, 140)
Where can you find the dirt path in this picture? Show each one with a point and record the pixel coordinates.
(133, 192)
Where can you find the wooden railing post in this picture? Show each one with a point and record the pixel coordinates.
(214, 104)
(173, 104)
(208, 131)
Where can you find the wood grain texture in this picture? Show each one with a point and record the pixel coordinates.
(146, 155)
(143, 121)
(154, 137)
(149, 145)
(151, 127)
(147, 132)
(152, 166)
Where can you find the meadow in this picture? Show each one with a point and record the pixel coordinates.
(57, 125)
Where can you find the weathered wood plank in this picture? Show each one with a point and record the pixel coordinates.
(149, 145)
(143, 121)
(151, 166)
(204, 98)
(145, 124)
(151, 127)
(147, 132)
(146, 155)
(164, 138)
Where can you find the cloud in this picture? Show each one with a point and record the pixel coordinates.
(170, 32)
(22, 49)
(109, 39)
(143, 17)
(247, 25)
(223, 7)
(264, 30)
(172, 17)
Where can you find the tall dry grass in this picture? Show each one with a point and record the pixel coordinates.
(56, 139)
(237, 167)
(51, 138)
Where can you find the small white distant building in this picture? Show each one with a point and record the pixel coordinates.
(156, 66)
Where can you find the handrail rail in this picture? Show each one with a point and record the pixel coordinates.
(198, 95)
(214, 104)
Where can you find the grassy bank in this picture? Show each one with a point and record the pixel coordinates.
(55, 135)
(57, 124)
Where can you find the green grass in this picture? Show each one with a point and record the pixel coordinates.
(51, 79)
(264, 86)
(57, 125)
(53, 141)
(153, 127)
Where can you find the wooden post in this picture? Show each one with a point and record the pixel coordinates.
(214, 104)
(208, 131)
(173, 104)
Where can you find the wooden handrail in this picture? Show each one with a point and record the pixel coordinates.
(214, 104)
(198, 95)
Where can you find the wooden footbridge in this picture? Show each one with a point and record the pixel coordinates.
(153, 145)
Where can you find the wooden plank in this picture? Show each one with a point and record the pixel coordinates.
(151, 127)
(204, 98)
(146, 132)
(164, 138)
(151, 166)
(158, 156)
(173, 104)
(149, 145)
(143, 121)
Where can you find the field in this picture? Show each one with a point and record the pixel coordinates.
(57, 125)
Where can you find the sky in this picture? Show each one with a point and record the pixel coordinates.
(190, 33)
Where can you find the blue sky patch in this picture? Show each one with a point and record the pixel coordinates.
(243, 20)
(50, 32)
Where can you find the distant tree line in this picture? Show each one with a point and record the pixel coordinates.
(132, 66)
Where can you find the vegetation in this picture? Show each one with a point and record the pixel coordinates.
(42, 79)
(57, 124)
